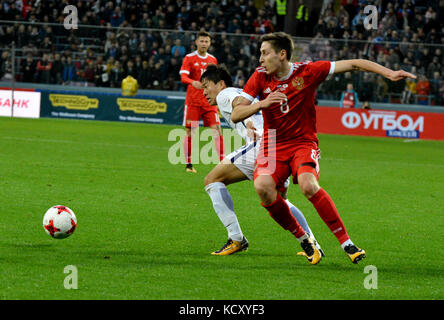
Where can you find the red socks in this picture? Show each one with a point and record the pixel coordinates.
(326, 209)
(187, 149)
(220, 148)
(281, 213)
(218, 141)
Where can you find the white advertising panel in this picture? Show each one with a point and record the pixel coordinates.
(26, 104)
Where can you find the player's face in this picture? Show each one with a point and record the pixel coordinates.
(271, 60)
(202, 44)
(211, 90)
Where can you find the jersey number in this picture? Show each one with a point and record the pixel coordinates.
(284, 106)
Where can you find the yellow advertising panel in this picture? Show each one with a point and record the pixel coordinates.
(141, 106)
(73, 102)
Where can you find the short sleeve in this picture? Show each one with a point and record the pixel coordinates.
(224, 101)
(186, 68)
(320, 70)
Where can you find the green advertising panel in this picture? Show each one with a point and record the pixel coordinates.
(112, 107)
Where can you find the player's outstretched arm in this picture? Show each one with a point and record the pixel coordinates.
(242, 107)
(370, 66)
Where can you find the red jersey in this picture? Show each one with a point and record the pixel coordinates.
(294, 121)
(193, 66)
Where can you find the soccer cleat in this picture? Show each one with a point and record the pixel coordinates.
(311, 252)
(189, 168)
(354, 253)
(231, 247)
(317, 246)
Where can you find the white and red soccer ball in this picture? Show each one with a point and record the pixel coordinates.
(59, 222)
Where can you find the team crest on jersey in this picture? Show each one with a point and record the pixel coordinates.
(298, 83)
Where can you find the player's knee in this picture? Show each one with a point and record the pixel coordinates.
(208, 179)
(309, 188)
(265, 191)
(213, 177)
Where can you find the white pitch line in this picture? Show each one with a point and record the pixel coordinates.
(82, 142)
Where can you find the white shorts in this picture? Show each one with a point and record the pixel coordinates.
(244, 159)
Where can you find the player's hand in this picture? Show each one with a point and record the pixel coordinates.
(400, 74)
(252, 131)
(197, 84)
(273, 98)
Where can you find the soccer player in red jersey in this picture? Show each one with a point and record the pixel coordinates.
(290, 145)
(196, 105)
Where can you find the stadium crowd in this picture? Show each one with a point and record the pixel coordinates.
(409, 35)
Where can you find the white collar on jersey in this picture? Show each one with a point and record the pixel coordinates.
(288, 74)
(203, 57)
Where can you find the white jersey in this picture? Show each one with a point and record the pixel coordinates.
(224, 101)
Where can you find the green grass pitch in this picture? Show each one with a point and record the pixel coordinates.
(146, 228)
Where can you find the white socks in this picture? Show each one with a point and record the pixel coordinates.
(223, 205)
(346, 243)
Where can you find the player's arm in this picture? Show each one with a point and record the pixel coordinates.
(243, 108)
(185, 74)
(370, 66)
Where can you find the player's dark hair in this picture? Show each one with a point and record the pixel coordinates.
(203, 34)
(216, 73)
(280, 41)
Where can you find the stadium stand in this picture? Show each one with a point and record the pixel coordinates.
(148, 39)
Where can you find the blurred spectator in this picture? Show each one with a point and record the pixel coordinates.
(116, 75)
(130, 70)
(437, 86)
(57, 69)
(349, 97)
(359, 18)
(69, 70)
(280, 8)
(239, 78)
(44, 67)
(46, 45)
(145, 76)
(174, 68)
(89, 71)
(423, 90)
(409, 91)
(101, 75)
(22, 36)
(301, 19)
(117, 17)
(367, 88)
(28, 69)
(178, 47)
(381, 89)
(432, 67)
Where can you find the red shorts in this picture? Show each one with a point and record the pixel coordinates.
(193, 114)
(296, 159)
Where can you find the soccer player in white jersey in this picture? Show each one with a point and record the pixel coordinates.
(238, 165)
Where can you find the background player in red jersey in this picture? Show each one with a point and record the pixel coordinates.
(286, 91)
(196, 105)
